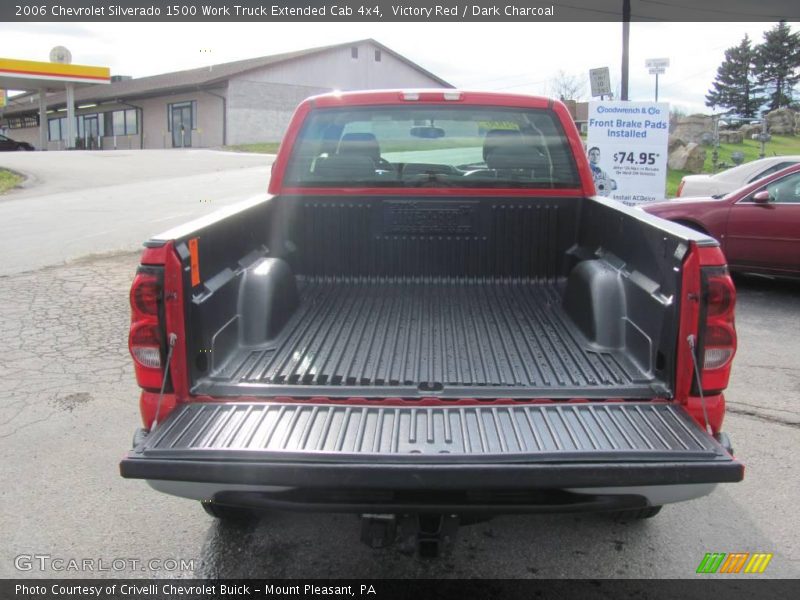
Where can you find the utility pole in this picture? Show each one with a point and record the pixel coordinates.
(626, 34)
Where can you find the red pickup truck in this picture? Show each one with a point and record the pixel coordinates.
(431, 318)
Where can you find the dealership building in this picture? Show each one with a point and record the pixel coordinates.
(239, 102)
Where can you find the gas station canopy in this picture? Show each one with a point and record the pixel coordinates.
(34, 75)
(29, 75)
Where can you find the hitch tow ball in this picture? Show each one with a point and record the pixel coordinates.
(429, 535)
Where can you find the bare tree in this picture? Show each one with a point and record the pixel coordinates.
(567, 87)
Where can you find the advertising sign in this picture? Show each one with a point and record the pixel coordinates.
(627, 149)
(2, 98)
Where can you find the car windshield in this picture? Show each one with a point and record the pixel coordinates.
(432, 146)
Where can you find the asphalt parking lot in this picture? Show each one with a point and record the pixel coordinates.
(69, 408)
(97, 202)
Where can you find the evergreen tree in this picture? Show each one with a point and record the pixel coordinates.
(736, 86)
(778, 64)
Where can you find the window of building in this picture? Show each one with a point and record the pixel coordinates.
(120, 122)
(117, 122)
(90, 126)
(354, 52)
(179, 106)
(22, 122)
(54, 129)
(131, 121)
(377, 56)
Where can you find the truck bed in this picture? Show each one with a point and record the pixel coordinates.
(390, 297)
(430, 336)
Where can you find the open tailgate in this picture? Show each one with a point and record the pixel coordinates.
(531, 446)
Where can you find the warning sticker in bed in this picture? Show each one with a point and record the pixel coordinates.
(194, 261)
(425, 218)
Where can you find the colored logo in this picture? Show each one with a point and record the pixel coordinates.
(735, 562)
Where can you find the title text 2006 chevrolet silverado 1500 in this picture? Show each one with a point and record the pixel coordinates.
(431, 317)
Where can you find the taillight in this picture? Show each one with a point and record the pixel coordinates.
(680, 188)
(718, 336)
(145, 294)
(719, 346)
(145, 344)
(145, 340)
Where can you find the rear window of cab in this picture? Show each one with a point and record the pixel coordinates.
(432, 146)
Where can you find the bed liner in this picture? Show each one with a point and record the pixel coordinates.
(441, 335)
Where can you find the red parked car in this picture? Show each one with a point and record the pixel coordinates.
(758, 226)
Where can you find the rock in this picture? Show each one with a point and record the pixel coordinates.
(749, 130)
(781, 121)
(690, 157)
(731, 137)
(673, 143)
(691, 129)
(707, 139)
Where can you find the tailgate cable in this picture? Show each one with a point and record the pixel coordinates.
(172, 338)
(691, 340)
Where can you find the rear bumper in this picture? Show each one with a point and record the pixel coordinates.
(410, 476)
(354, 456)
(467, 501)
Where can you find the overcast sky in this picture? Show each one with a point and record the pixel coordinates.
(518, 57)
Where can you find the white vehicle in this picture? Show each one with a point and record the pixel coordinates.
(732, 179)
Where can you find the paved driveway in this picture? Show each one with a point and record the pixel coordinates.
(79, 203)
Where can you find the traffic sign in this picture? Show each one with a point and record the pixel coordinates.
(600, 80)
(656, 63)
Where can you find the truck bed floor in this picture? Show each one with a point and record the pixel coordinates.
(440, 336)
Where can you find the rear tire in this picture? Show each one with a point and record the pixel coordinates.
(636, 514)
(226, 513)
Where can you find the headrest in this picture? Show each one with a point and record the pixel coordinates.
(363, 144)
(341, 167)
(511, 149)
(500, 138)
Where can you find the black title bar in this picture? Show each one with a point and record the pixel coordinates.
(394, 589)
(31, 11)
